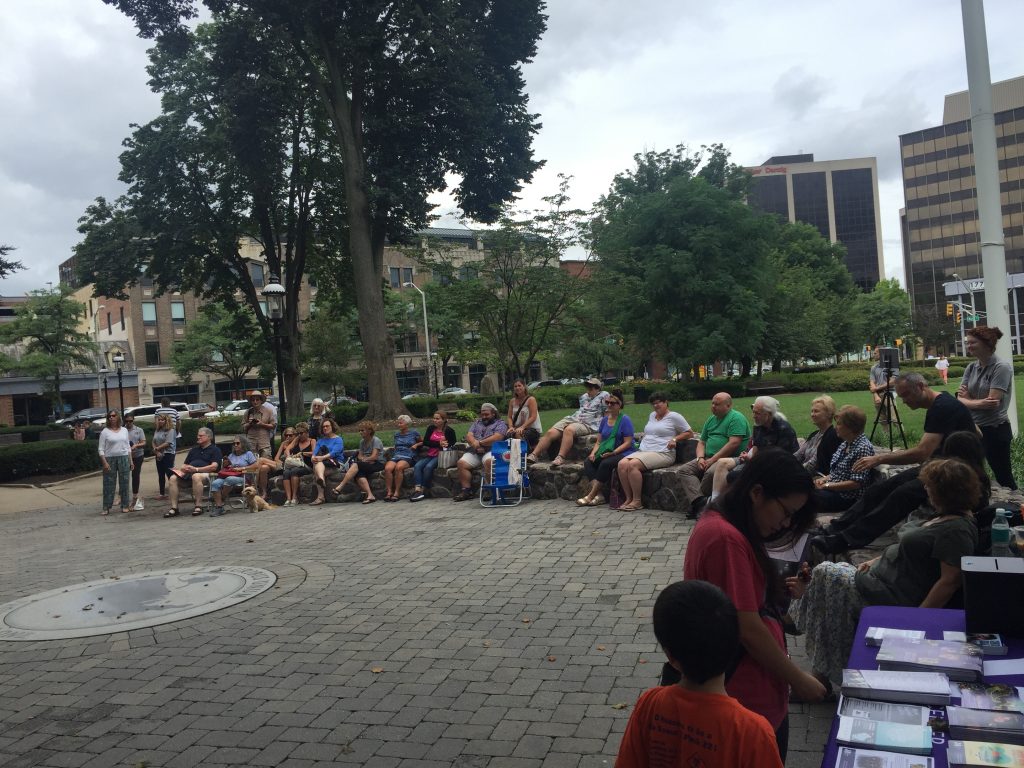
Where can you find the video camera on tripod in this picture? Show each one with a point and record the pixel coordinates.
(888, 358)
(887, 414)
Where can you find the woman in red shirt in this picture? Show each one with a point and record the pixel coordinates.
(772, 501)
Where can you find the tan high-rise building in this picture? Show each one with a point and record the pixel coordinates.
(940, 218)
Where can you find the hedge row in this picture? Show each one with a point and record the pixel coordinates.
(57, 457)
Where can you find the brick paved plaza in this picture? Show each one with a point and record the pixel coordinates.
(430, 634)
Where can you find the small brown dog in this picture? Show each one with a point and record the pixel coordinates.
(253, 501)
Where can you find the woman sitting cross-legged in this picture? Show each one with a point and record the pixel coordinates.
(842, 486)
(367, 461)
(297, 463)
(439, 437)
(407, 442)
(815, 453)
(268, 467)
(922, 569)
(328, 453)
(615, 442)
(657, 449)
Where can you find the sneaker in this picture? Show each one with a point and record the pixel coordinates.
(464, 495)
(139, 506)
(216, 511)
(418, 496)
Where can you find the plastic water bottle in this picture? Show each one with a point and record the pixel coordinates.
(1001, 533)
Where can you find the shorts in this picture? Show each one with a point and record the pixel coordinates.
(230, 482)
(474, 460)
(654, 459)
(579, 427)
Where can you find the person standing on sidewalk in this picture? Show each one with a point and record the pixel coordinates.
(116, 454)
(164, 446)
(138, 440)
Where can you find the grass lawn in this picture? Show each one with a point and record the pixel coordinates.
(797, 408)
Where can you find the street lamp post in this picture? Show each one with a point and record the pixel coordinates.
(106, 398)
(96, 332)
(431, 379)
(274, 292)
(118, 360)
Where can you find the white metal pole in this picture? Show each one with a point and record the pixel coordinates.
(426, 337)
(986, 176)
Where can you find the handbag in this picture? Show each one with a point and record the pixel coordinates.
(294, 461)
(608, 444)
(229, 473)
(447, 458)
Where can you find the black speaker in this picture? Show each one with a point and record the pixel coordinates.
(992, 594)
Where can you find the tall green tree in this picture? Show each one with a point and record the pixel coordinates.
(936, 331)
(518, 295)
(45, 334)
(225, 341)
(415, 92)
(884, 313)
(333, 360)
(682, 261)
(242, 151)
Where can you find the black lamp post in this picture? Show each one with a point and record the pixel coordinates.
(274, 292)
(118, 360)
(106, 397)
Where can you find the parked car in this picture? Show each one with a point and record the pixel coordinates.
(454, 391)
(86, 414)
(144, 414)
(414, 395)
(544, 383)
(341, 400)
(572, 381)
(235, 408)
(199, 410)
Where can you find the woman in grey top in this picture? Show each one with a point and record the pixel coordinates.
(985, 390)
(164, 445)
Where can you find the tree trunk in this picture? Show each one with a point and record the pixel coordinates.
(745, 366)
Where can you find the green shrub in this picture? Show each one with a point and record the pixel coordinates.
(466, 415)
(56, 457)
(422, 407)
(349, 413)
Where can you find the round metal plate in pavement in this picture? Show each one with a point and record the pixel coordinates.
(119, 604)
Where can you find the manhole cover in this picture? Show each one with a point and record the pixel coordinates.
(133, 602)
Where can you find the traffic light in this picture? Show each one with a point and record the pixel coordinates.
(949, 309)
(899, 342)
(959, 317)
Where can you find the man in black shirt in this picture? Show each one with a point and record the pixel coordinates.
(202, 463)
(884, 504)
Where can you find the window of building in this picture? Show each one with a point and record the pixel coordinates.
(122, 317)
(110, 326)
(411, 380)
(149, 313)
(178, 312)
(256, 274)
(476, 375)
(468, 272)
(146, 282)
(406, 275)
(153, 354)
(217, 356)
(395, 275)
(408, 342)
(452, 376)
(177, 393)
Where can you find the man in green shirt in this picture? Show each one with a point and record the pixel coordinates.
(725, 434)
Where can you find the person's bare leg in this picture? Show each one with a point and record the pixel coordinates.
(364, 486)
(465, 476)
(636, 483)
(398, 477)
(349, 474)
(172, 491)
(389, 470)
(568, 436)
(627, 489)
(197, 490)
(319, 469)
(545, 442)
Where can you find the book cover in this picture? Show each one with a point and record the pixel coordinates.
(990, 643)
(981, 754)
(851, 757)
(985, 725)
(882, 711)
(897, 737)
(960, 661)
(875, 635)
(902, 687)
(991, 696)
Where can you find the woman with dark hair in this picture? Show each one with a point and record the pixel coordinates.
(328, 453)
(921, 570)
(523, 415)
(614, 443)
(772, 501)
(664, 429)
(985, 390)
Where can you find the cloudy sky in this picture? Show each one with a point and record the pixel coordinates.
(611, 78)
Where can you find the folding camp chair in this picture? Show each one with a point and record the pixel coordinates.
(510, 482)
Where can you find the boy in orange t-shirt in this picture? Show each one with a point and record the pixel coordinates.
(695, 722)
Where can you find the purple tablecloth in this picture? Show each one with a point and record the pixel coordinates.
(934, 621)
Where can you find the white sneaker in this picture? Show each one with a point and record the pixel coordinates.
(139, 506)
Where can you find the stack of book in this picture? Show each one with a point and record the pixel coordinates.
(928, 688)
(958, 661)
(875, 635)
(991, 696)
(990, 643)
(985, 725)
(981, 754)
(894, 727)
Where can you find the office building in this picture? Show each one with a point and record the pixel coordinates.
(939, 223)
(837, 197)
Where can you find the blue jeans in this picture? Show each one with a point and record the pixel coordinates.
(120, 472)
(423, 472)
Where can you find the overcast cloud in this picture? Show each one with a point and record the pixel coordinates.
(611, 79)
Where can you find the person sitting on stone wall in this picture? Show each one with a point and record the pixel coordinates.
(724, 434)
(583, 422)
(484, 432)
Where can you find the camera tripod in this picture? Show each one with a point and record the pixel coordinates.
(887, 406)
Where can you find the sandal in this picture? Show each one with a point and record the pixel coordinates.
(369, 500)
(337, 489)
(104, 513)
(316, 502)
(558, 461)
(583, 501)
(172, 512)
(197, 512)
(597, 501)
(125, 510)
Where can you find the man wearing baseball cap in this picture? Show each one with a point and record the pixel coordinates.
(584, 422)
(259, 424)
(485, 431)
